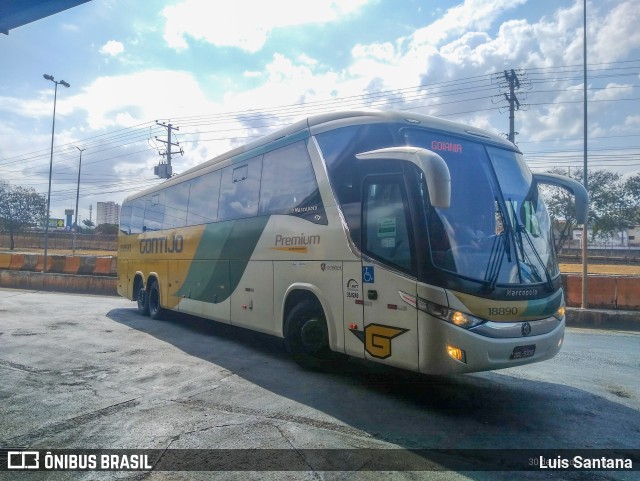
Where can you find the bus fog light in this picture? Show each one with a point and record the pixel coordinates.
(456, 353)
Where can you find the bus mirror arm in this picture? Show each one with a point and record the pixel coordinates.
(431, 164)
(573, 186)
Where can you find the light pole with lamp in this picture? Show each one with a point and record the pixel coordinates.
(53, 128)
(75, 230)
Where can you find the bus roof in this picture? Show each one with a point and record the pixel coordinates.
(322, 122)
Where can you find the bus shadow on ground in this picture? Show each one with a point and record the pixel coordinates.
(474, 411)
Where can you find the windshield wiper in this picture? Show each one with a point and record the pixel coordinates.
(501, 246)
(519, 230)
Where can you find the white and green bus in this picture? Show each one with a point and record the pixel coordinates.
(390, 236)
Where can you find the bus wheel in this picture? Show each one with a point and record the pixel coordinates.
(306, 335)
(142, 298)
(155, 311)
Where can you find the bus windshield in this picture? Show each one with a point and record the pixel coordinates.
(497, 228)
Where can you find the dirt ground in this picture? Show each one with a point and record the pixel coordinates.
(614, 270)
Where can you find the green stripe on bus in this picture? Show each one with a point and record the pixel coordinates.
(221, 259)
(543, 307)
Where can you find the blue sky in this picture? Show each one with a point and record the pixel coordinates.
(228, 72)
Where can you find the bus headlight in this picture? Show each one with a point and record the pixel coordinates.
(561, 311)
(464, 320)
(458, 318)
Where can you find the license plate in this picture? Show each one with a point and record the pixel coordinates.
(521, 352)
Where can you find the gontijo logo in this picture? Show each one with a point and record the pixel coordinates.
(377, 339)
(162, 245)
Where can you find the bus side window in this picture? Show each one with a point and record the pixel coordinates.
(175, 209)
(203, 199)
(289, 182)
(125, 219)
(153, 211)
(137, 216)
(240, 190)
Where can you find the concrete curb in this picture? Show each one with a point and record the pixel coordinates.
(60, 264)
(39, 281)
(603, 319)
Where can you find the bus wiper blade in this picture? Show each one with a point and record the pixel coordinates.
(501, 246)
(496, 256)
(547, 274)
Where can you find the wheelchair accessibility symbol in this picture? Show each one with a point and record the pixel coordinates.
(368, 275)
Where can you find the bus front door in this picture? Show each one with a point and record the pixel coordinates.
(390, 324)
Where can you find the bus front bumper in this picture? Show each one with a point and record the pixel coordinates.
(440, 342)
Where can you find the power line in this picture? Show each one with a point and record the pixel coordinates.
(421, 97)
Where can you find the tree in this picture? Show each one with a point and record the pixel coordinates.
(632, 188)
(20, 208)
(107, 229)
(562, 210)
(88, 224)
(613, 204)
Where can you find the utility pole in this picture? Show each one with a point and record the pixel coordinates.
(75, 227)
(165, 170)
(585, 226)
(514, 103)
(512, 81)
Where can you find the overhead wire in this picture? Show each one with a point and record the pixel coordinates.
(261, 119)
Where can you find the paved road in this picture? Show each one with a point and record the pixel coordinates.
(90, 372)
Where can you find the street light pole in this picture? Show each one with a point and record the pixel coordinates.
(585, 226)
(53, 128)
(75, 230)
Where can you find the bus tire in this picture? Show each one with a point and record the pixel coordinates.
(155, 310)
(142, 298)
(306, 335)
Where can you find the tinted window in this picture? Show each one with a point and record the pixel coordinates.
(153, 211)
(289, 184)
(203, 199)
(346, 172)
(386, 225)
(137, 216)
(240, 190)
(175, 210)
(125, 219)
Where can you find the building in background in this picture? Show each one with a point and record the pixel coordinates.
(634, 235)
(108, 213)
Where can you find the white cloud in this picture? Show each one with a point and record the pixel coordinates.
(632, 121)
(245, 24)
(613, 91)
(286, 82)
(112, 47)
(616, 33)
(138, 97)
(468, 16)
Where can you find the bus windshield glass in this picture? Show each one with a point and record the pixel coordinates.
(496, 229)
